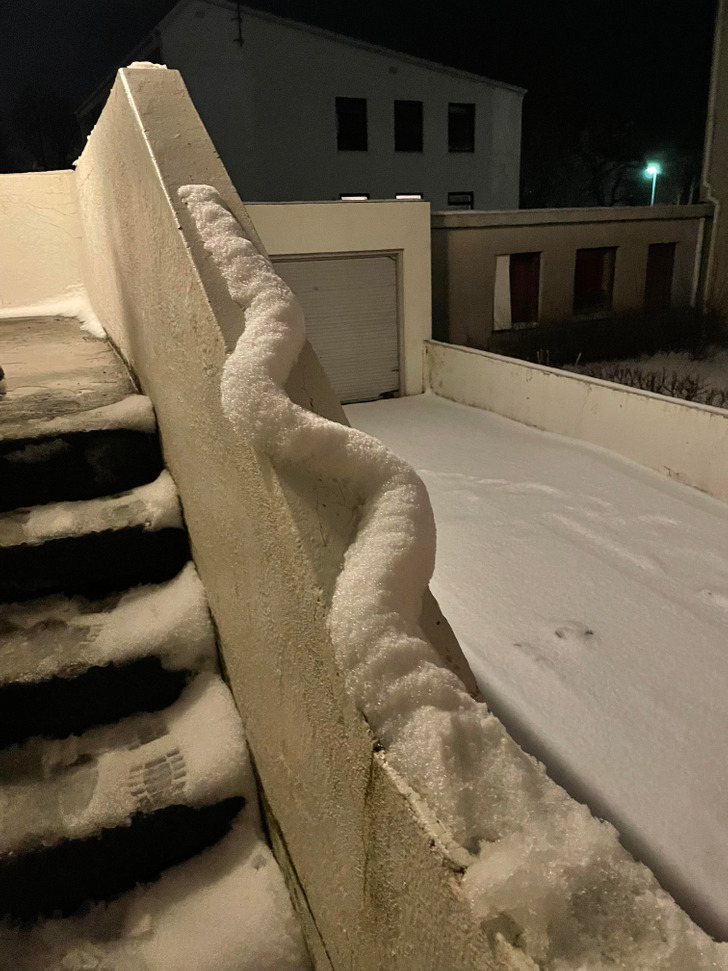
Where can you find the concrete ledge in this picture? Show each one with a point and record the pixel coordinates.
(681, 439)
(478, 219)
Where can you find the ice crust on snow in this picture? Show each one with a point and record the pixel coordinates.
(74, 302)
(591, 908)
(153, 506)
(234, 890)
(58, 636)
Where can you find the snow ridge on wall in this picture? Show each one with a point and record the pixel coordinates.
(551, 884)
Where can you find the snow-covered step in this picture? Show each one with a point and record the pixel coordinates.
(95, 546)
(74, 809)
(86, 454)
(60, 637)
(226, 909)
(68, 877)
(67, 664)
(72, 788)
(100, 695)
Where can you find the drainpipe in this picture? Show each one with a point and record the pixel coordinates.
(697, 262)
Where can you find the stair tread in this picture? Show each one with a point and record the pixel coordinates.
(62, 636)
(132, 411)
(192, 753)
(154, 506)
(53, 368)
(226, 909)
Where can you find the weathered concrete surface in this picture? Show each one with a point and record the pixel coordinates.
(53, 368)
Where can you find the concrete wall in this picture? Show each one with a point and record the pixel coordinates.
(681, 439)
(270, 109)
(364, 227)
(40, 237)
(380, 879)
(465, 246)
(715, 165)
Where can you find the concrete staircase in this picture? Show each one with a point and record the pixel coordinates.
(124, 773)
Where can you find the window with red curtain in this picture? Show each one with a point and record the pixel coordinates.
(525, 272)
(594, 279)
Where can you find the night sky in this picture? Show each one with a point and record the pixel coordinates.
(637, 66)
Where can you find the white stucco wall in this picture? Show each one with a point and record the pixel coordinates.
(381, 877)
(681, 439)
(40, 237)
(364, 227)
(269, 109)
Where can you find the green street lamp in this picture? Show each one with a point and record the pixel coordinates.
(651, 172)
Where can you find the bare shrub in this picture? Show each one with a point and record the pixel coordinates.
(688, 387)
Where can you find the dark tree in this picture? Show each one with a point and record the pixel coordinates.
(45, 129)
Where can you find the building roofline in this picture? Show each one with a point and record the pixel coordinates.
(344, 39)
(103, 86)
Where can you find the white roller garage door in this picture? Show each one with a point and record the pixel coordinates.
(350, 304)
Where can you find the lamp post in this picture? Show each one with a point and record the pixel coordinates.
(651, 172)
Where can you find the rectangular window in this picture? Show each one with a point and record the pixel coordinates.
(408, 126)
(351, 124)
(658, 282)
(460, 127)
(516, 293)
(354, 196)
(408, 195)
(594, 279)
(460, 200)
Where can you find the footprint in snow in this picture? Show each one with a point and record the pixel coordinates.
(558, 642)
(717, 597)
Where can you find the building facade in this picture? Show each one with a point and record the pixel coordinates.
(298, 113)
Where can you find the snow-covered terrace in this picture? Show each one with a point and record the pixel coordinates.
(590, 596)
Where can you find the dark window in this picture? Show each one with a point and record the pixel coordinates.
(351, 124)
(408, 126)
(460, 200)
(461, 127)
(525, 272)
(594, 279)
(658, 283)
(516, 290)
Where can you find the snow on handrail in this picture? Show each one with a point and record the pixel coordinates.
(571, 893)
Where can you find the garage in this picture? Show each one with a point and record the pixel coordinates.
(350, 304)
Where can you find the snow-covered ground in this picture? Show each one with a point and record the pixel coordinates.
(710, 372)
(590, 596)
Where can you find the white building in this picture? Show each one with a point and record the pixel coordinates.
(299, 113)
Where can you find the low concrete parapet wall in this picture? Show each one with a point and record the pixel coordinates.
(377, 876)
(40, 237)
(681, 439)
